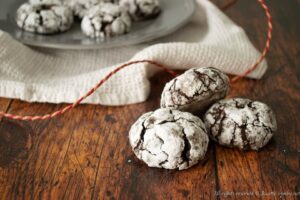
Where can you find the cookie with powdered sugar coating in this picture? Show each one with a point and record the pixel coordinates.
(81, 7)
(106, 20)
(141, 9)
(169, 139)
(195, 90)
(241, 123)
(44, 18)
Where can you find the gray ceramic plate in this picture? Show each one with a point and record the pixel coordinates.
(175, 14)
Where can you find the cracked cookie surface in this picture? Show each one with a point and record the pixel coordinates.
(141, 9)
(195, 90)
(169, 139)
(241, 123)
(44, 18)
(105, 20)
(81, 7)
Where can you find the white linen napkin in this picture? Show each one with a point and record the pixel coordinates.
(56, 76)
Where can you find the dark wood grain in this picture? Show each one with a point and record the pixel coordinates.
(4, 105)
(274, 172)
(85, 154)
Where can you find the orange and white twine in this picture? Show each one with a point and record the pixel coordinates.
(165, 68)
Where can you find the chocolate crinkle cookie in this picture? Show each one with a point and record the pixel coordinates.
(141, 9)
(106, 20)
(81, 7)
(241, 123)
(169, 139)
(195, 90)
(44, 18)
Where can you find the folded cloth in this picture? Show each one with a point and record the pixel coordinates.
(56, 76)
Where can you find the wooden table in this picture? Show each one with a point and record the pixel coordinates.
(85, 154)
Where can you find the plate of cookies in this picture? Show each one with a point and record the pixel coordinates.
(92, 24)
